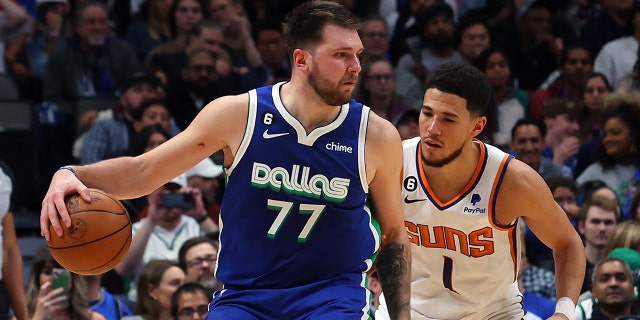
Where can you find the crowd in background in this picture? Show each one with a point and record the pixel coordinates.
(565, 76)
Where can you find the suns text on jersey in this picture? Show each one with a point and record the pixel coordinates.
(477, 243)
(298, 181)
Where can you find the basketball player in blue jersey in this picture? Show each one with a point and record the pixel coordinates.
(463, 203)
(312, 192)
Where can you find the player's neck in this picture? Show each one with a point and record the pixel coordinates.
(306, 106)
(447, 181)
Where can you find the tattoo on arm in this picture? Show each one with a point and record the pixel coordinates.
(393, 271)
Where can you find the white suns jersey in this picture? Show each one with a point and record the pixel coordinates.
(464, 264)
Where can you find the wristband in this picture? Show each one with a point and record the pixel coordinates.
(566, 307)
(68, 168)
(202, 219)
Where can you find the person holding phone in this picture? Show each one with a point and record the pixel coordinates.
(55, 293)
(175, 214)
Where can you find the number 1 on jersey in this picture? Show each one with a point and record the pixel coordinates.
(447, 273)
(284, 208)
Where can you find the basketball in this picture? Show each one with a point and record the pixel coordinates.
(99, 236)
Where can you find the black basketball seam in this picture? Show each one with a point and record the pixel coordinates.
(92, 241)
(99, 210)
(110, 197)
(98, 267)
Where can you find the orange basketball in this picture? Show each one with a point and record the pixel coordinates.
(99, 236)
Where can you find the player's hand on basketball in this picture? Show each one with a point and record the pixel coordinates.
(54, 211)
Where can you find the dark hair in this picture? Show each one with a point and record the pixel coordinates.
(77, 14)
(469, 20)
(483, 59)
(465, 81)
(173, 27)
(138, 112)
(304, 26)
(562, 182)
(196, 30)
(635, 203)
(437, 9)
(182, 260)
(266, 24)
(140, 140)
(565, 53)
(624, 106)
(597, 75)
(526, 122)
(587, 188)
(189, 287)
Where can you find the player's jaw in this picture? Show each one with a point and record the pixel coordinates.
(434, 153)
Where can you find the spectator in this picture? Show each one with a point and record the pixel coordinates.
(575, 65)
(103, 302)
(158, 280)
(11, 286)
(617, 155)
(634, 209)
(474, 37)
(44, 303)
(598, 219)
(407, 124)
(536, 285)
(198, 259)
(405, 29)
(527, 137)
(206, 176)
(375, 39)
(613, 23)
(275, 66)
(626, 235)
(110, 137)
(183, 16)
(151, 28)
(509, 102)
(612, 290)
(438, 32)
(378, 90)
(230, 15)
(152, 112)
(12, 17)
(562, 142)
(617, 57)
(189, 300)
(565, 192)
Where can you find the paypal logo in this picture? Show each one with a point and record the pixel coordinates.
(475, 198)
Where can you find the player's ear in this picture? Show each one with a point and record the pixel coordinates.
(301, 59)
(478, 125)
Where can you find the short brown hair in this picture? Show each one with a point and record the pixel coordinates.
(601, 202)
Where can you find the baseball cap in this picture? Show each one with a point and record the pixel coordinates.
(630, 256)
(138, 77)
(41, 2)
(206, 169)
(180, 180)
(557, 106)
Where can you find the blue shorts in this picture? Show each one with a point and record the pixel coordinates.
(333, 299)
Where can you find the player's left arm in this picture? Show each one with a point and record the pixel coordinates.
(384, 161)
(524, 193)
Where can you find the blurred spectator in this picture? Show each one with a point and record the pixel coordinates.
(152, 112)
(404, 27)
(11, 286)
(201, 87)
(229, 14)
(374, 285)
(103, 302)
(275, 66)
(159, 279)
(198, 258)
(150, 28)
(183, 16)
(618, 158)
(378, 90)
(617, 57)
(437, 47)
(588, 189)
(626, 235)
(509, 102)
(612, 291)
(110, 138)
(375, 39)
(527, 144)
(45, 304)
(473, 37)
(562, 142)
(52, 26)
(598, 218)
(575, 65)
(634, 208)
(188, 301)
(206, 176)
(580, 12)
(565, 192)
(407, 124)
(613, 22)
(12, 17)
(537, 286)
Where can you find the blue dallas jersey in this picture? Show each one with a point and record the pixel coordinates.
(294, 210)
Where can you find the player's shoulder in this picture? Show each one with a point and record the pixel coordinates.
(380, 128)
(521, 177)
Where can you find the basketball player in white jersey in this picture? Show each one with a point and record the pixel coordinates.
(463, 203)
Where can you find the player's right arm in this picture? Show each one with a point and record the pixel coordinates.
(220, 125)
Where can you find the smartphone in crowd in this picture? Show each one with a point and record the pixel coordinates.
(61, 279)
(178, 200)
